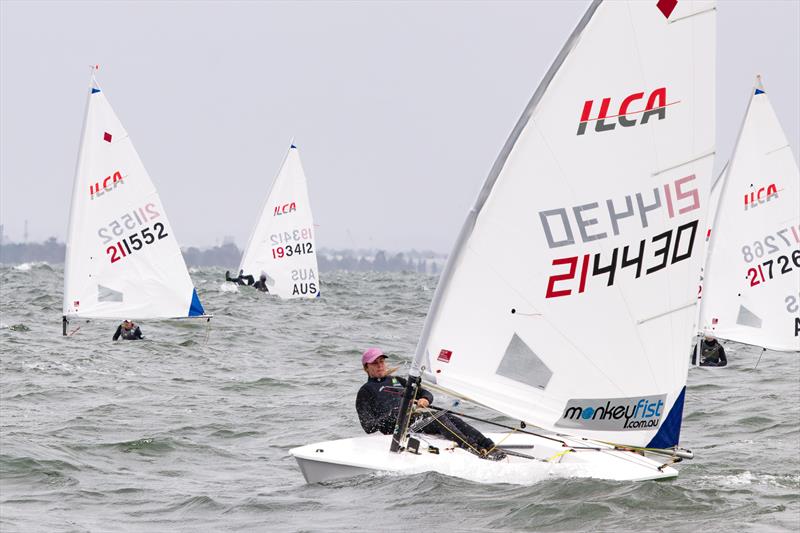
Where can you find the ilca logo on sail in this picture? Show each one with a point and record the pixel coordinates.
(284, 209)
(656, 106)
(759, 196)
(109, 184)
(615, 414)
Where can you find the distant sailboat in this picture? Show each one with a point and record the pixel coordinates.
(569, 300)
(751, 286)
(122, 258)
(282, 245)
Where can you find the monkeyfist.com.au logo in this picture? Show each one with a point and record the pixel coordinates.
(614, 414)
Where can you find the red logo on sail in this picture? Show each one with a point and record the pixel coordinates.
(284, 209)
(761, 196)
(107, 137)
(656, 106)
(109, 183)
(444, 356)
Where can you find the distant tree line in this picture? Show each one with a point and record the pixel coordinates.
(379, 262)
(228, 256)
(50, 250)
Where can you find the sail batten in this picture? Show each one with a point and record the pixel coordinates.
(590, 219)
(122, 260)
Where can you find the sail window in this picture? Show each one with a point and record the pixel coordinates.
(521, 364)
(104, 294)
(748, 318)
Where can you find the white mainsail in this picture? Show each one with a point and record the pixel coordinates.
(568, 301)
(751, 290)
(122, 258)
(282, 243)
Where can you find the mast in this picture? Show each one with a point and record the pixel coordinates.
(414, 373)
(92, 84)
(264, 205)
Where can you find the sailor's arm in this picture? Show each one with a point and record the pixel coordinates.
(421, 393)
(424, 396)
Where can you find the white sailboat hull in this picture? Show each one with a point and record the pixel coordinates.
(326, 461)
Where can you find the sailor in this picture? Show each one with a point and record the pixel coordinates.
(378, 405)
(711, 352)
(261, 284)
(241, 279)
(128, 331)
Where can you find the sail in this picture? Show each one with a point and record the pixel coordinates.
(713, 202)
(751, 288)
(282, 244)
(122, 258)
(569, 299)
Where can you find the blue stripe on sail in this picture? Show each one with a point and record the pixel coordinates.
(293, 147)
(95, 90)
(196, 309)
(759, 91)
(670, 432)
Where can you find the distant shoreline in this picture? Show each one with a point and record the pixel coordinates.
(228, 256)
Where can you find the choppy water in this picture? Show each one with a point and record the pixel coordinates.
(180, 433)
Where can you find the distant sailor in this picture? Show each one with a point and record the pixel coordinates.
(241, 279)
(128, 331)
(261, 284)
(711, 352)
(378, 405)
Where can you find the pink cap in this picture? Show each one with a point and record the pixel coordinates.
(371, 355)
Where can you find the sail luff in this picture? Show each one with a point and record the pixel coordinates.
(725, 174)
(248, 249)
(483, 195)
(75, 193)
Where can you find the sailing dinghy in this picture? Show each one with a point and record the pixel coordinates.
(282, 245)
(568, 302)
(751, 288)
(122, 258)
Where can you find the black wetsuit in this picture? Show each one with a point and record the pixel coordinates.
(128, 334)
(240, 279)
(378, 404)
(261, 285)
(711, 354)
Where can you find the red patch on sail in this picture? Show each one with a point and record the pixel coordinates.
(666, 6)
(444, 356)
(714, 321)
(107, 137)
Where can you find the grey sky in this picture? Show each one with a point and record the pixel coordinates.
(399, 109)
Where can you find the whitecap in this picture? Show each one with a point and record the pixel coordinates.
(228, 287)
